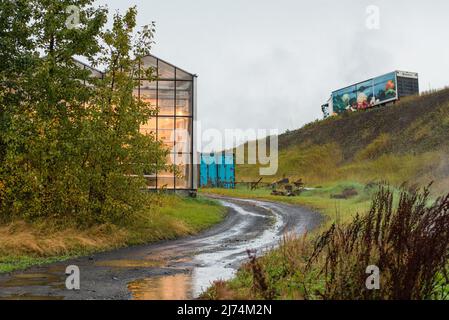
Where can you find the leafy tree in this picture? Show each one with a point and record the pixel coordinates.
(117, 155)
(72, 145)
(15, 54)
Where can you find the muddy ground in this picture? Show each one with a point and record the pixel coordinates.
(179, 269)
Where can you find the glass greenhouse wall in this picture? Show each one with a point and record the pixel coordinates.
(173, 93)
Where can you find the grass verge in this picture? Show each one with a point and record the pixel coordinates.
(24, 244)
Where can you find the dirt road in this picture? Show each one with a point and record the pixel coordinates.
(179, 269)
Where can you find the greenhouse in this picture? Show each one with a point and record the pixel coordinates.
(173, 93)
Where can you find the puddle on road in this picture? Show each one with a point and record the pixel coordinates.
(30, 297)
(208, 259)
(176, 287)
(32, 279)
(182, 286)
(131, 263)
(217, 260)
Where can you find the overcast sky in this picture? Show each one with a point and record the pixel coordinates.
(271, 64)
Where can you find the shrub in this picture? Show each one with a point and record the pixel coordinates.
(409, 244)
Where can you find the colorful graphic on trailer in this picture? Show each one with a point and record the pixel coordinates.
(366, 94)
(385, 88)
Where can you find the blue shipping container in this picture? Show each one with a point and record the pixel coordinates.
(217, 170)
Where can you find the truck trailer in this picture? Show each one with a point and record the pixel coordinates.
(375, 92)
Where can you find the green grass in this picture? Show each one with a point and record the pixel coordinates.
(174, 216)
(321, 165)
(24, 244)
(9, 264)
(318, 199)
(198, 214)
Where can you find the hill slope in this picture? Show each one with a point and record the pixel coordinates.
(405, 142)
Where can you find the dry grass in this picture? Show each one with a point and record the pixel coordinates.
(375, 149)
(21, 238)
(25, 243)
(220, 291)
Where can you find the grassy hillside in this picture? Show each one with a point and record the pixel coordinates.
(405, 142)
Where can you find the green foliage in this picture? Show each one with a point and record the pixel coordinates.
(9, 264)
(71, 144)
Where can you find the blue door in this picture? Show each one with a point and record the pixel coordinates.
(217, 170)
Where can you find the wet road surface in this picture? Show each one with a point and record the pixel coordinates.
(179, 269)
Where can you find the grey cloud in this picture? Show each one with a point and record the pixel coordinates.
(271, 64)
